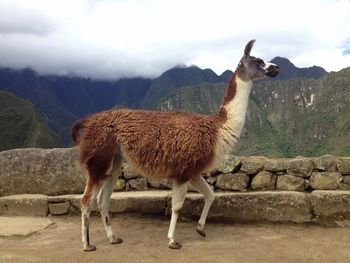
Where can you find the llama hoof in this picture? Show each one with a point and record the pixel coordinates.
(115, 240)
(175, 245)
(89, 248)
(201, 232)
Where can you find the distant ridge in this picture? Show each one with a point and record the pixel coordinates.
(178, 77)
(63, 99)
(288, 70)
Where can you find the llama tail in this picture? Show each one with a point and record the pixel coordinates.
(97, 147)
(76, 129)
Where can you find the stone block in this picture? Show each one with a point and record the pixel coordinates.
(331, 204)
(266, 206)
(343, 186)
(252, 165)
(211, 180)
(24, 205)
(264, 180)
(325, 163)
(276, 165)
(148, 202)
(236, 182)
(300, 167)
(59, 208)
(343, 165)
(129, 172)
(346, 179)
(229, 164)
(40, 171)
(159, 183)
(120, 185)
(138, 184)
(325, 180)
(290, 183)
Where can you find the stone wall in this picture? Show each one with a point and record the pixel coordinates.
(55, 172)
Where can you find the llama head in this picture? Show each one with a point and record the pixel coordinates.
(252, 68)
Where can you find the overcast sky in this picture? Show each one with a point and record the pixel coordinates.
(119, 38)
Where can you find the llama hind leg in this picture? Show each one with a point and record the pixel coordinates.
(89, 196)
(104, 197)
(177, 201)
(202, 186)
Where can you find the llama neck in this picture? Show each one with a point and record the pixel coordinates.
(234, 106)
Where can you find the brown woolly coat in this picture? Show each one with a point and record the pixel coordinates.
(178, 145)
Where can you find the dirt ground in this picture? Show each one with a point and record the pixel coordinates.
(145, 241)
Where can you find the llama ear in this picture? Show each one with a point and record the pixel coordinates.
(248, 48)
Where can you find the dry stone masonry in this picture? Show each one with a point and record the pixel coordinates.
(247, 188)
(56, 172)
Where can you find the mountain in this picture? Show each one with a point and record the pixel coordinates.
(62, 100)
(178, 77)
(311, 117)
(288, 70)
(22, 126)
(297, 116)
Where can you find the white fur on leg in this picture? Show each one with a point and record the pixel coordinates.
(103, 202)
(202, 186)
(85, 215)
(104, 198)
(178, 198)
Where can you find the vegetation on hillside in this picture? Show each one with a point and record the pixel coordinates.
(22, 126)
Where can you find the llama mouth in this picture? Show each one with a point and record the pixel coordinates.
(272, 71)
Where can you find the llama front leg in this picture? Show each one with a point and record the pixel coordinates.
(202, 186)
(103, 202)
(177, 201)
(89, 196)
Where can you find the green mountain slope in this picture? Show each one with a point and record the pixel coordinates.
(178, 77)
(21, 126)
(285, 117)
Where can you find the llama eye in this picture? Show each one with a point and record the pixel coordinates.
(260, 62)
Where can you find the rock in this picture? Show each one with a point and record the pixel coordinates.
(138, 184)
(306, 184)
(59, 208)
(238, 181)
(325, 180)
(346, 179)
(252, 165)
(229, 164)
(119, 185)
(276, 165)
(159, 183)
(129, 172)
(343, 186)
(264, 180)
(325, 163)
(301, 167)
(149, 202)
(266, 206)
(22, 226)
(343, 165)
(331, 204)
(24, 205)
(290, 183)
(211, 180)
(40, 171)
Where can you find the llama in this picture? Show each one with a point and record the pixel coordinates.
(175, 145)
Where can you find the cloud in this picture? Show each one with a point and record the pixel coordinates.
(118, 38)
(19, 20)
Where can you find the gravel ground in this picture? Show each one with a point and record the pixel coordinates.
(59, 240)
